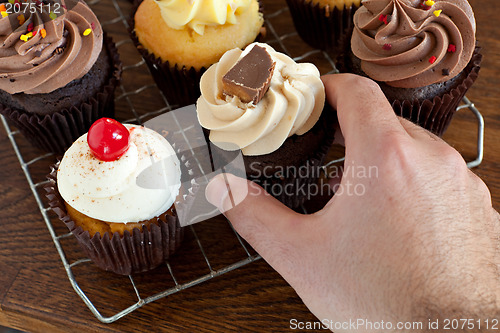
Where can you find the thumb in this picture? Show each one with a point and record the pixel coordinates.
(270, 227)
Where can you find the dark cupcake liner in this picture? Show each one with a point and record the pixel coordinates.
(323, 27)
(435, 115)
(290, 178)
(136, 252)
(55, 132)
(293, 189)
(179, 84)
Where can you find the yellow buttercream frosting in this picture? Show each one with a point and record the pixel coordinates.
(185, 47)
(336, 3)
(197, 14)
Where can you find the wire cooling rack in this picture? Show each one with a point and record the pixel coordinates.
(137, 100)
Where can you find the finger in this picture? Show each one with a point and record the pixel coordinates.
(264, 222)
(418, 132)
(365, 116)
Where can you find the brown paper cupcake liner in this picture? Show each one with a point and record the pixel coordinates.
(179, 84)
(323, 27)
(136, 252)
(435, 115)
(56, 132)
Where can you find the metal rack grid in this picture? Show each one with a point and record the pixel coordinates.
(275, 39)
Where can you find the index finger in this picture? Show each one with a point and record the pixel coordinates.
(365, 115)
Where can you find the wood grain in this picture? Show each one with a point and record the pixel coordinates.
(35, 294)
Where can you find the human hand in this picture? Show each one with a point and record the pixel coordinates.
(421, 242)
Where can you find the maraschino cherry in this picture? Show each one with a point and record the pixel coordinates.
(108, 139)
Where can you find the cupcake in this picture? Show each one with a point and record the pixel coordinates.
(423, 54)
(179, 39)
(262, 103)
(115, 189)
(324, 24)
(58, 72)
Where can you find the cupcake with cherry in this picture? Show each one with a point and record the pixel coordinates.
(116, 189)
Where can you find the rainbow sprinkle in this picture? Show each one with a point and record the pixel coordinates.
(429, 3)
(4, 13)
(432, 59)
(452, 48)
(437, 12)
(21, 19)
(53, 15)
(387, 47)
(26, 37)
(43, 32)
(87, 32)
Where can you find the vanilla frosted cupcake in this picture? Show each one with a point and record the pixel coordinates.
(115, 189)
(179, 39)
(277, 121)
(324, 24)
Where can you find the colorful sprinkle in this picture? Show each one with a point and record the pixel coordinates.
(2, 8)
(452, 48)
(437, 12)
(24, 38)
(92, 25)
(4, 13)
(21, 19)
(446, 72)
(34, 33)
(30, 26)
(432, 59)
(87, 32)
(53, 15)
(383, 18)
(387, 47)
(429, 3)
(43, 32)
(11, 1)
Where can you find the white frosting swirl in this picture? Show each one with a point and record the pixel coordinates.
(292, 105)
(140, 185)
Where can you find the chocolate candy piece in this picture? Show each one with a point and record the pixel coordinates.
(250, 78)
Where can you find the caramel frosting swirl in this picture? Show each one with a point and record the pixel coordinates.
(413, 43)
(292, 105)
(44, 46)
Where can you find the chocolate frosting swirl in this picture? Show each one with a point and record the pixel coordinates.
(45, 50)
(411, 44)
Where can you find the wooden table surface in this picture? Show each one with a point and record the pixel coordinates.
(35, 294)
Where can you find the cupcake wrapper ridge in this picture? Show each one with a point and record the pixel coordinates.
(136, 252)
(322, 27)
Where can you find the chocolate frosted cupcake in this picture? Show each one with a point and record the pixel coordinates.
(115, 190)
(423, 54)
(261, 102)
(180, 39)
(324, 24)
(58, 72)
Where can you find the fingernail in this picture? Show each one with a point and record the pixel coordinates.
(216, 191)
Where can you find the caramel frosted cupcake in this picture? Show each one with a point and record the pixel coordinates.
(179, 39)
(423, 54)
(115, 189)
(58, 71)
(261, 102)
(324, 24)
